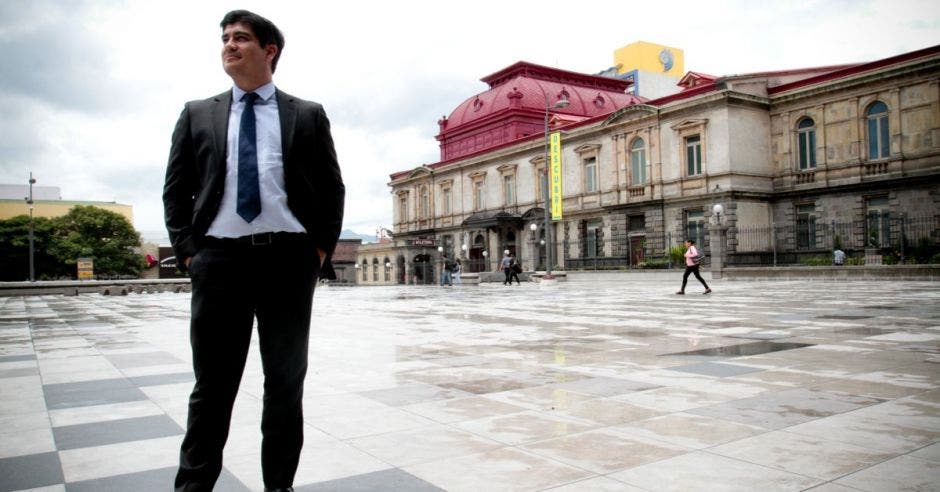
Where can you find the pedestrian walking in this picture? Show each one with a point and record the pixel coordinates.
(456, 273)
(506, 266)
(447, 269)
(692, 260)
(515, 268)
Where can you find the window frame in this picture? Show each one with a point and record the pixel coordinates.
(424, 210)
(509, 189)
(638, 153)
(403, 215)
(878, 221)
(878, 131)
(806, 220)
(589, 167)
(696, 233)
(693, 154)
(806, 144)
(592, 240)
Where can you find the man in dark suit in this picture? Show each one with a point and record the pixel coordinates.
(254, 205)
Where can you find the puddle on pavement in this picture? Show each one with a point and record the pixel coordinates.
(868, 332)
(755, 348)
(843, 316)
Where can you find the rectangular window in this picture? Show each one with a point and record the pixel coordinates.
(879, 222)
(807, 144)
(509, 189)
(592, 239)
(636, 223)
(878, 137)
(806, 226)
(425, 204)
(695, 227)
(590, 174)
(479, 202)
(638, 165)
(446, 198)
(693, 155)
(403, 209)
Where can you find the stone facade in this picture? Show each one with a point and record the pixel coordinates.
(816, 146)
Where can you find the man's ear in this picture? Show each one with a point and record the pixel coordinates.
(270, 51)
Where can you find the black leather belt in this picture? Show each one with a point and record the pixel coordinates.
(262, 239)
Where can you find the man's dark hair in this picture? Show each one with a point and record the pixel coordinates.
(265, 30)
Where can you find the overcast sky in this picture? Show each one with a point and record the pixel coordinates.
(90, 91)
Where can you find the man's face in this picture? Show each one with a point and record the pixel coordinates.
(242, 54)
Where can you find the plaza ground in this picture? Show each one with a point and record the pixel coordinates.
(600, 383)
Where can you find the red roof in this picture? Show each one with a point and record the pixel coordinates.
(514, 106)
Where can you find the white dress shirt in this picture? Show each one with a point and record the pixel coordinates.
(275, 215)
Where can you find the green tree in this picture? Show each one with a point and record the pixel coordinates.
(14, 249)
(105, 236)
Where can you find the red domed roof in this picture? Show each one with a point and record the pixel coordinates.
(514, 106)
(528, 86)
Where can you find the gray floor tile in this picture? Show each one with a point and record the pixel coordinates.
(86, 393)
(392, 480)
(145, 359)
(776, 410)
(30, 471)
(160, 480)
(114, 431)
(18, 372)
(716, 369)
(16, 358)
(161, 379)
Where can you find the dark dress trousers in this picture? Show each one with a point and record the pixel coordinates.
(269, 276)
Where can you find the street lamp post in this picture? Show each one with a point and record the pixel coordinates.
(561, 103)
(535, 249)
(29, 202)
(717, 243)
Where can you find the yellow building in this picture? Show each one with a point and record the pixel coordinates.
(655, 69)
(10, 207)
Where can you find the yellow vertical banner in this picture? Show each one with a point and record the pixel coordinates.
(554, 178)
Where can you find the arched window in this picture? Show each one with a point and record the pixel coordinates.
(375, 269)
(638, 161)
(878, 138)
(806, 141)
(388, 269)
(365, 270)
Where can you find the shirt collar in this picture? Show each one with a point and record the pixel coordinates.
(265, 92)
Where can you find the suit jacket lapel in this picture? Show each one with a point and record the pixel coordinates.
(220, 114)
(287, 113)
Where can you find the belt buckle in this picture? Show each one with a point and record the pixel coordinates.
(262, 239)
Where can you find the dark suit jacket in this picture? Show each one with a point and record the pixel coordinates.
(195, 175)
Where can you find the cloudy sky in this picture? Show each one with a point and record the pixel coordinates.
(90, 90)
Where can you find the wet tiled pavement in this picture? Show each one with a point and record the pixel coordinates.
(592, 385)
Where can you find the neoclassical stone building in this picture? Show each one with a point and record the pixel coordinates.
(801, 161)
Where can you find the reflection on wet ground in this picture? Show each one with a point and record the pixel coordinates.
(754, 348)
(597, 384)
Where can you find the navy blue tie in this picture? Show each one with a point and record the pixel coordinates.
(249, 196)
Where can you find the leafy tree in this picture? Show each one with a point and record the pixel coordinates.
(14, 249)
(105, 236)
